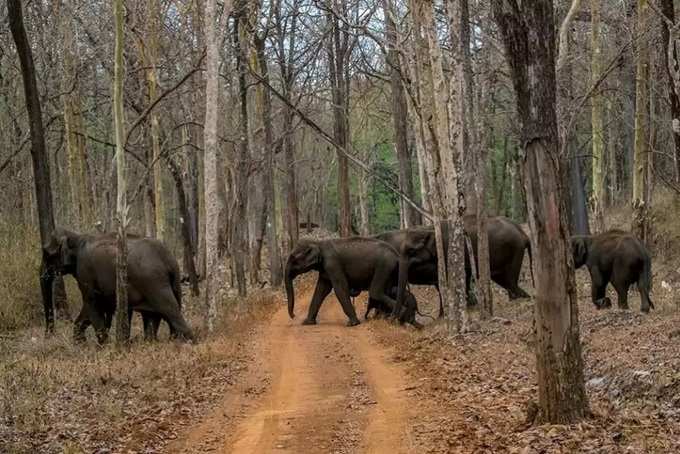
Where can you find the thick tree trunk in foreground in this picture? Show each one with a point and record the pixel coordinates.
(640, 223)
(122, 322)
(41, 170)
(528, 34)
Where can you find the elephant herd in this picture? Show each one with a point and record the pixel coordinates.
(383, 265)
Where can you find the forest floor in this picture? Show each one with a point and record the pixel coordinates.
(264, 383)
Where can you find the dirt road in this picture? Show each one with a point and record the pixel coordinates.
(323, 388)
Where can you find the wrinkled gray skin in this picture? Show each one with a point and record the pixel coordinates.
(153, 280)
(617, 257)
(418, 256)
(343, 264)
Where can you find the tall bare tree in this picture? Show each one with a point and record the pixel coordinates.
(597, 119)
(122, 323)
(41, 170)
(641, 154)
(528, 34)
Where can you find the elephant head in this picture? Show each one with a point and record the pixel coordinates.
(59, 257)
(419, 247)
(305, 257)
(580, 245)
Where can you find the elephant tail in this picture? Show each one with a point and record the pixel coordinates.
(531, 264)
(645, 284)
(175, 283)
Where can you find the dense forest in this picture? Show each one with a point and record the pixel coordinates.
(248, 135)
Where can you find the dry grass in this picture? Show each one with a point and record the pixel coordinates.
(59, 397)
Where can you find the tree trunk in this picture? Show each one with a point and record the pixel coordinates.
(407, 214)
(337, 58)
(81, 201)
(240, 242)
(597, 120)
(671, 60)
(641, 156)
(122, 322)
(442, 127)
(212, 210)
(275, 270)
(578, 208)
(41, 170)
(528, 33)
(187, 242)
(363, 182)
(152, 82)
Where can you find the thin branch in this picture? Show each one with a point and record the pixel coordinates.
(160, 97)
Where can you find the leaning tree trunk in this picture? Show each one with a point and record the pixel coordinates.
(41, 170)
(641, 156)
(528, 33)
(122, 321)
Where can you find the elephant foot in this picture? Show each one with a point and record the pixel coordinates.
(603, 303)
(353, 322)
(309, 321)
(644, 309)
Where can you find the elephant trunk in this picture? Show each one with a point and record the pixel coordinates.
(401, 286)
(290, 292)
(46, 281)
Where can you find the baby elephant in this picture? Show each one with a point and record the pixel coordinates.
(617, 257)
(408, 312)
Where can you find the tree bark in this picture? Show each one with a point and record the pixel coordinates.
(641, 154)
(597, 121)
(152, 82)
(240, 242)
(528, 33)
(122, 322)
(670, 59)
(41, 170)
(275, 269)
(408, 216)
(337, 60)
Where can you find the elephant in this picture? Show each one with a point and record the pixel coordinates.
(345, 265)
(408, 312)
(153, 280)
(418, 255)
(618, 257)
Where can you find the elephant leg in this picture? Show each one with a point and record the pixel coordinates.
(621, 288)
(369, 305)
(323, 288)
(341, 288)
(165, 306)
(80, 325)
(599, 289)
(151, 323)
(98, 320)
